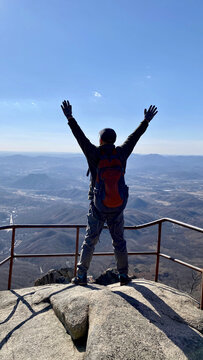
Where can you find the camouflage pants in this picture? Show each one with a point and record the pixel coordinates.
(95, 223)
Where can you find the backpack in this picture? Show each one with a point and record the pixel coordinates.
(110, 191)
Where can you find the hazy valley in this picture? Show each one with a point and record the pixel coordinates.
(52, 189)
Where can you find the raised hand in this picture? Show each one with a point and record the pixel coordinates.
(150, 113)
(67, 109)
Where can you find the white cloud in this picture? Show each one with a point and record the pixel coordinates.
(148, 76)
(34, 104)
(97, 94)
(19, 103)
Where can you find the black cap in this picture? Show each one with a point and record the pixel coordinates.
(108, 135)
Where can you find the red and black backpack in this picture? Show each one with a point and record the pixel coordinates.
(110, 192)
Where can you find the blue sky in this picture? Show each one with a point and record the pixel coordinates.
(111, 59)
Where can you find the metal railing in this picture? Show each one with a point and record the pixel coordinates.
(157, 253)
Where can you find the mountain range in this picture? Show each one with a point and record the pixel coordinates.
(52, 189)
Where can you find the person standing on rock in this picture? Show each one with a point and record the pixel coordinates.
(108, 193)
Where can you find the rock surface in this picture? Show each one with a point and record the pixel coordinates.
(144, 320)
(61, 276)
(109, 276)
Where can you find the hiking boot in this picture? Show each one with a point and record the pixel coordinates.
(124, 279)
(80, 280)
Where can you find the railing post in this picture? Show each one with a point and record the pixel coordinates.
(201, 299)
(76, 249)
(11, 259)
(158, 252)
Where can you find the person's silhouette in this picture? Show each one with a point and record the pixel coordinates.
(114, 216)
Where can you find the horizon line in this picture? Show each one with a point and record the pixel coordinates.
(10, 152)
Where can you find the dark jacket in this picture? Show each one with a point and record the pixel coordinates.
(92, 152)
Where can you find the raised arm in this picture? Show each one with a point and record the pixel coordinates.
(132, 139)
(86, 146)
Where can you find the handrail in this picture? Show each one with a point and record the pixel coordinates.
(69, 226)
(76, 254)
